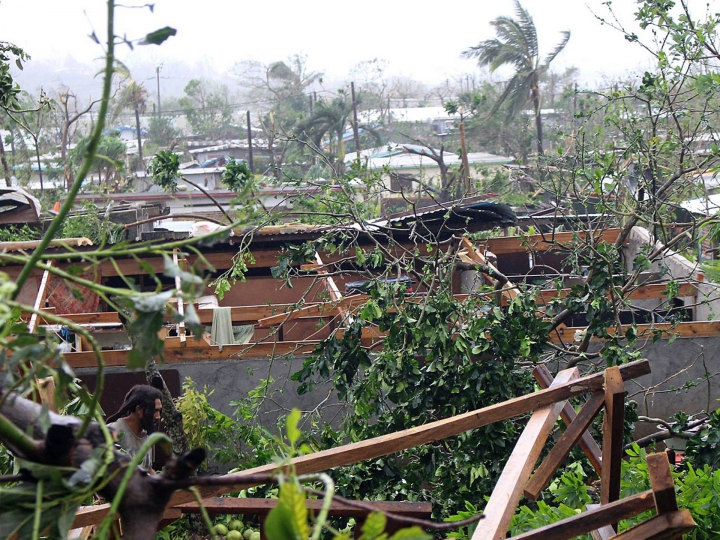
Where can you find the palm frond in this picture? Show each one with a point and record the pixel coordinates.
(558, 48)
(525, 22)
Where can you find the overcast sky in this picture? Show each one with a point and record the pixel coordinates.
(421, 39)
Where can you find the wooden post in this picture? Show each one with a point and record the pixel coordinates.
(587, 443)
(662, 483)
(613, 424)
(180, 306)
(509, 488)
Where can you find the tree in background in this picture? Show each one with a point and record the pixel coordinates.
(162, 132)
(517, 45)
(67, 116)
(281, 90)
(133, 96)
(208, 109)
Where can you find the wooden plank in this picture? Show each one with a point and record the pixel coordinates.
(109, 317)
(662, 483)
(682, 330)
(322, 309)
(643, 292)
(248, 314)
(539, 242)
(613, 431)
(509, 488)
(587, 443)
(409, 438)
(232, 505)
(662, 527)
(601, 533)
(592, 519)
(543, 475)
(195, 351)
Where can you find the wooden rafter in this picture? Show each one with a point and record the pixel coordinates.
(587, 443)
(509, 488)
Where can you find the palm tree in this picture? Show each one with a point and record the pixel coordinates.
(516, 44)
(133, 96)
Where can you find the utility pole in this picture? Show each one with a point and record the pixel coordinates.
(250, 150)
(157, 77)
(356, 133)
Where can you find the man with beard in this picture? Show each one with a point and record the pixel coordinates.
(136, 418)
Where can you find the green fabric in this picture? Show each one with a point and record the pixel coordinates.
(222, 331)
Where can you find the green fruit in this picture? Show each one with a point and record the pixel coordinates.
(236, 525)
(220, 529)
(247, 533)
(254, 536)
(234, 535)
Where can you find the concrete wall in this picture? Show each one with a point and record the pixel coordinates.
(231, 380)
(673, 365)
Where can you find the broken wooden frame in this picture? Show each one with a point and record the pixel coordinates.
(338, 308)
(546, 405)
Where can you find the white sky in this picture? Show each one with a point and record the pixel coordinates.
(421, 39)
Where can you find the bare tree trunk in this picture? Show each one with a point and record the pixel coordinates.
(172, 418)
(5, 166)
(538, 120)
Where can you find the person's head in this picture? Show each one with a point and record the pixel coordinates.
(145, 402)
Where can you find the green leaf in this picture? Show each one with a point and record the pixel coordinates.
(294, 497)
(158, 36)
(374, 526)
(293, 433)
(279, 524)
(411, 533)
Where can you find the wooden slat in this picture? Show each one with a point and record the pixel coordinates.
(409, 438)
(543, 475)
(322, 309)
(662, 483)
(232, 505)
(509, 488)
(663, 527)
(587, 443)
(538, 242)
(109, 317)
(198, 351)
(613, 431)
(682, 330)
(592, 519)
(644, 292)
(248, 314)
